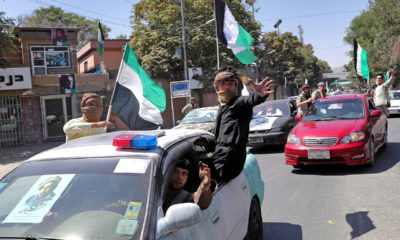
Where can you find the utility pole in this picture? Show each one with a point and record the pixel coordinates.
(185, 74)
(301, 31)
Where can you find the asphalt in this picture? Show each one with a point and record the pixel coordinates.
(11, 157)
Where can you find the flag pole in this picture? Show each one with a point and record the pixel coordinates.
(115, 85)
(216, 34)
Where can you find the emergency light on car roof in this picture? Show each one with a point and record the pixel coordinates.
(138, 141)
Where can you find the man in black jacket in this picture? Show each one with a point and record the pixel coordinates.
(233, 120)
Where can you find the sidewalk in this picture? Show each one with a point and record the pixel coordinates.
(19, 153)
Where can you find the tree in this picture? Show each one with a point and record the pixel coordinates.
(56, 17)
(6, 36)
(157, 36)
(376, 30)
(121, 36)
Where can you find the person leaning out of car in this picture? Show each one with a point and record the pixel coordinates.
(381, 92)
(304, 99)
(175, 193)
(90, 123)
(320, 92)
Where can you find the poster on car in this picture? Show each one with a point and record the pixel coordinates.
(67, 83)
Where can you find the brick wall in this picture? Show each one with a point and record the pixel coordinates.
(31, 119)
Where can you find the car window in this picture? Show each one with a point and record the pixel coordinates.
(55, 198)
(200, 115)
(335, 109)
(395, 95)
(275, 109)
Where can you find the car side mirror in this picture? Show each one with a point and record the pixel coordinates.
(178, 216)
(297, 117)
(375, 113)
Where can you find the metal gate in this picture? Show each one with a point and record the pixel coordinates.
(10, 122)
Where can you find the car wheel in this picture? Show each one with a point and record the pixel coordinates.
(255, 227)
(372, 153)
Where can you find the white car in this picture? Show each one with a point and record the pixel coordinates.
(111, 186)
(394, 108)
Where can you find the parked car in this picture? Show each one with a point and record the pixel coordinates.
(271, 122)
(200, 118)
(394, 108)
(111, 186)
(343, 129)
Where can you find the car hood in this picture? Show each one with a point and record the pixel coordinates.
(261, 123)
(339, 128)
(207, 126)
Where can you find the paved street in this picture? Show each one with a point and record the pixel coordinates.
(333, 202)
(316, 203)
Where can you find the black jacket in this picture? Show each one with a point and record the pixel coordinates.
(231, 134)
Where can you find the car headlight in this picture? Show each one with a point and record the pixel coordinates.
(276, 130)
(293, 139)
(353, 137)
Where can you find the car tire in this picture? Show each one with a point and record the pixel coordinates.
(372, 153)
(255, 225)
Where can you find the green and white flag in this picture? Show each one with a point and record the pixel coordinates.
(234, 36)
(137, 99)
(100, 40)
(360, 60)
(387, 75)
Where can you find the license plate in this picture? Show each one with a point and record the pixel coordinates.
(318, 154)
(256, 140)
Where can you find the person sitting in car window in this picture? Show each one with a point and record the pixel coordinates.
(176, 194)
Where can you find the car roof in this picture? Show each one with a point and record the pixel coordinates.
(342, 97)
(100, 145)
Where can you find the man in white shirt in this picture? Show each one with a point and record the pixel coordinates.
(381, 92)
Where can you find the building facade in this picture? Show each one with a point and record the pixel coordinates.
(41, 88)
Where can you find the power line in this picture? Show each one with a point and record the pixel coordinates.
(89, 11)
(88, 17)
(314, 15)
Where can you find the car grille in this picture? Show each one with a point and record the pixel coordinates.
(325, 141)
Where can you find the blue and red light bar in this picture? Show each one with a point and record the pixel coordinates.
(135, 141)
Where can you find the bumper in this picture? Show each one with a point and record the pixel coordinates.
(394, 111)
(272, 138)
(349, 154)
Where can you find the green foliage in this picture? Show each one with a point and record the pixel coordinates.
(6, 35)
(157, 36)
(291, 58)
(376, 30)
(57, 17)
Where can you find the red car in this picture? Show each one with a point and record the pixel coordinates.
(342, 129)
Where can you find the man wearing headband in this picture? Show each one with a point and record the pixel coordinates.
(233, 120)
(175, 193)
(89, 124)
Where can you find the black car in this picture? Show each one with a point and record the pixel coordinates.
(272, 122)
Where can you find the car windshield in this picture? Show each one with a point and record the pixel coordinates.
(395, 96)
(79, 199)
(335, 109)
(272, 109)
(201, 115)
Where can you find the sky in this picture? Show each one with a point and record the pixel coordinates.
(324, 22)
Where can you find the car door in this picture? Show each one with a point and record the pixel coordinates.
(377, 125)
(212, 224)
(233, 203)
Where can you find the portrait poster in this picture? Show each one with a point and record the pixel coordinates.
(39, 199)
(67, 83)
(196, 78)
(59, 36)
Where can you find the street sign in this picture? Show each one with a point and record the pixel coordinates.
(180, 89)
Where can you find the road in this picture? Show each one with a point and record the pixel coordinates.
(333, 202)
